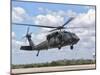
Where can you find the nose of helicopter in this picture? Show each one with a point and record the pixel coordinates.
(76, 38)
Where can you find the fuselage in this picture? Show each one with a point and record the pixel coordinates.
(56, 40)
(63, 38)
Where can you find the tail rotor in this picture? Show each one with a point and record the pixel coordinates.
(28, 35)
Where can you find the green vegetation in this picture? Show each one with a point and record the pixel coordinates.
(55, 63)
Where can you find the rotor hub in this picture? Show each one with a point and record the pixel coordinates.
(28, 36)
(60, 27)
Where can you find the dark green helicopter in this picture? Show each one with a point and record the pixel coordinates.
(57, 39)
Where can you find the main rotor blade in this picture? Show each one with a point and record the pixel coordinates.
(33, 25)
(75, 27)
(69, 28)
(68, 21)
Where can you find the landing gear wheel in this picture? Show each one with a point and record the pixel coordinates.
(59, 47)
(71, 47)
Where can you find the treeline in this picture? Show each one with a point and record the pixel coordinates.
(55, 63)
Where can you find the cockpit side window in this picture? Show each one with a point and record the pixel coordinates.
(68, 35)
(73, 35)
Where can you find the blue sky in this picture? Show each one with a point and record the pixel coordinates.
(52, 14)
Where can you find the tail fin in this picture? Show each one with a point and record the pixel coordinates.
(30, 47)
(28, 37)
(31, 42)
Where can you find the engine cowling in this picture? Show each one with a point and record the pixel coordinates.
(54, 34)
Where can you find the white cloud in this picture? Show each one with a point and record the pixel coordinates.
(16, 44)
(18, 14)
(13, 35)
(85, 19)
(68, 13)
(52, 18)
(71, 13)
(49, 20)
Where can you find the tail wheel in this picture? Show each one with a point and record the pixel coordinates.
(38, 52)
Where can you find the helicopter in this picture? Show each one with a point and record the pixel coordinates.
(57, 39)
